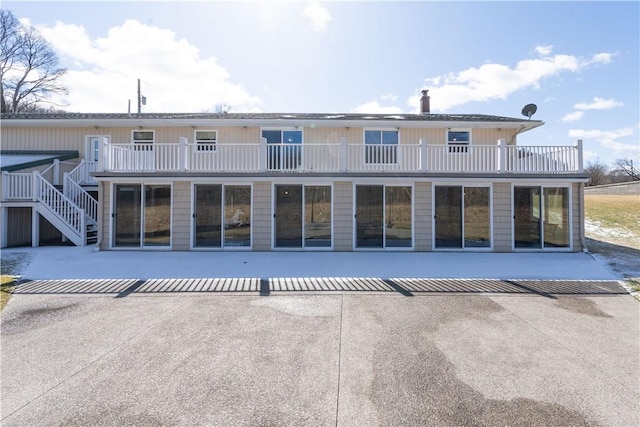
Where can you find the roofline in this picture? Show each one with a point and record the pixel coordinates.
(59, 155)
(133, 121)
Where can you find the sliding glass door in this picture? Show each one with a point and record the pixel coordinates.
(541, 217)
(462, 217)
(302, 216)
(142, 215)
(384, 216)
(222, 216)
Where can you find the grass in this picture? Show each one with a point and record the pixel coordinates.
(6, 288)
(617, 212)
(12, 264)
(616, 235)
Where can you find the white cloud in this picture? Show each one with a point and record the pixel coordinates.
(497, 81)
(573, 116)
(318, 15)
(601, 58)
(608, 139)
(599, 104)
(544, 50)
(373, 107)
(175, 78)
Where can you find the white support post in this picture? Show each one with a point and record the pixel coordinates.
(502, 153)
(343, 154)
(4, 218)
(56, 172)
(580, 156)
(102, 153)
(65, 187)
(423, 155)
(5, 185)
(262, 155)
(182, 154)
(35, 227)
(36, 186)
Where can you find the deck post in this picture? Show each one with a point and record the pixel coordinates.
(262, 155)
(4, 219)
(502, 153)
(423, 155)
(5, 185)
(35, 189)
(580, 156)
(182, 154)
(343, 154)
(102, 153)
(35, 226)
(56, 172)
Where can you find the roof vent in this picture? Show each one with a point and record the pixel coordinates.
(425, 107)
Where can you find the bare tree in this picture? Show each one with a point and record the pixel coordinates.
(28, 67)
(598, 173)
(625, 166)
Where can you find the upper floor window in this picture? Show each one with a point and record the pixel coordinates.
(206, 140)
(458, 140)
(381, 146)
(143, 137)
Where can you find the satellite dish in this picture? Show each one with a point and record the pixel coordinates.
(529, 110)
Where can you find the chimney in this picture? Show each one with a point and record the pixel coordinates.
(425, 108)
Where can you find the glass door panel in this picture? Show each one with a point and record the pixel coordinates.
(288, 216)
(448, 217)
(208, 216)
(527, 208)
(157, 215)
(556, 217)
(477, 221)
(317, 216)
(398, 217)
(237, 215)
(369, 216)
(127, 215)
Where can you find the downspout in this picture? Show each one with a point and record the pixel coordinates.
(583, 237)
(513, 138)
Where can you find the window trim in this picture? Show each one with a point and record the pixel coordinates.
(143, 141)
(201, 144)
(542, 185)
(112, 218)
(388, 156)
(458, 147)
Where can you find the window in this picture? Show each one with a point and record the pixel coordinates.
(541, 217)
(206, 140)
(284, 148)
(381, 146)
(142, 215)
(383, 216)
(458, 140)
(222, 216)
(145, 137)
(462, 217)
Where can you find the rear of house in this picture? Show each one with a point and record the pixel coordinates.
(338, 182)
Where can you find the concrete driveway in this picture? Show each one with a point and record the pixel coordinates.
(321, 358)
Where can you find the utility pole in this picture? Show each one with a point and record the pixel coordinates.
(139, 98)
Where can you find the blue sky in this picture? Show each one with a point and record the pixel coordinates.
(578, 61)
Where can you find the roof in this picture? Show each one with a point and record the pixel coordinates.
(265, 119)
(11, 161)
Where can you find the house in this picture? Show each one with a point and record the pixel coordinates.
(262, 182)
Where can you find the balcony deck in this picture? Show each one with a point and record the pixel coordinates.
(184, 157)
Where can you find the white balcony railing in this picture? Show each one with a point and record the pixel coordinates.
(341, 157)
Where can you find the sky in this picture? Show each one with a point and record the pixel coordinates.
(577, 61)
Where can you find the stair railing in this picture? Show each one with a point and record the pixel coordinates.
(55, 201)
(74, 192)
